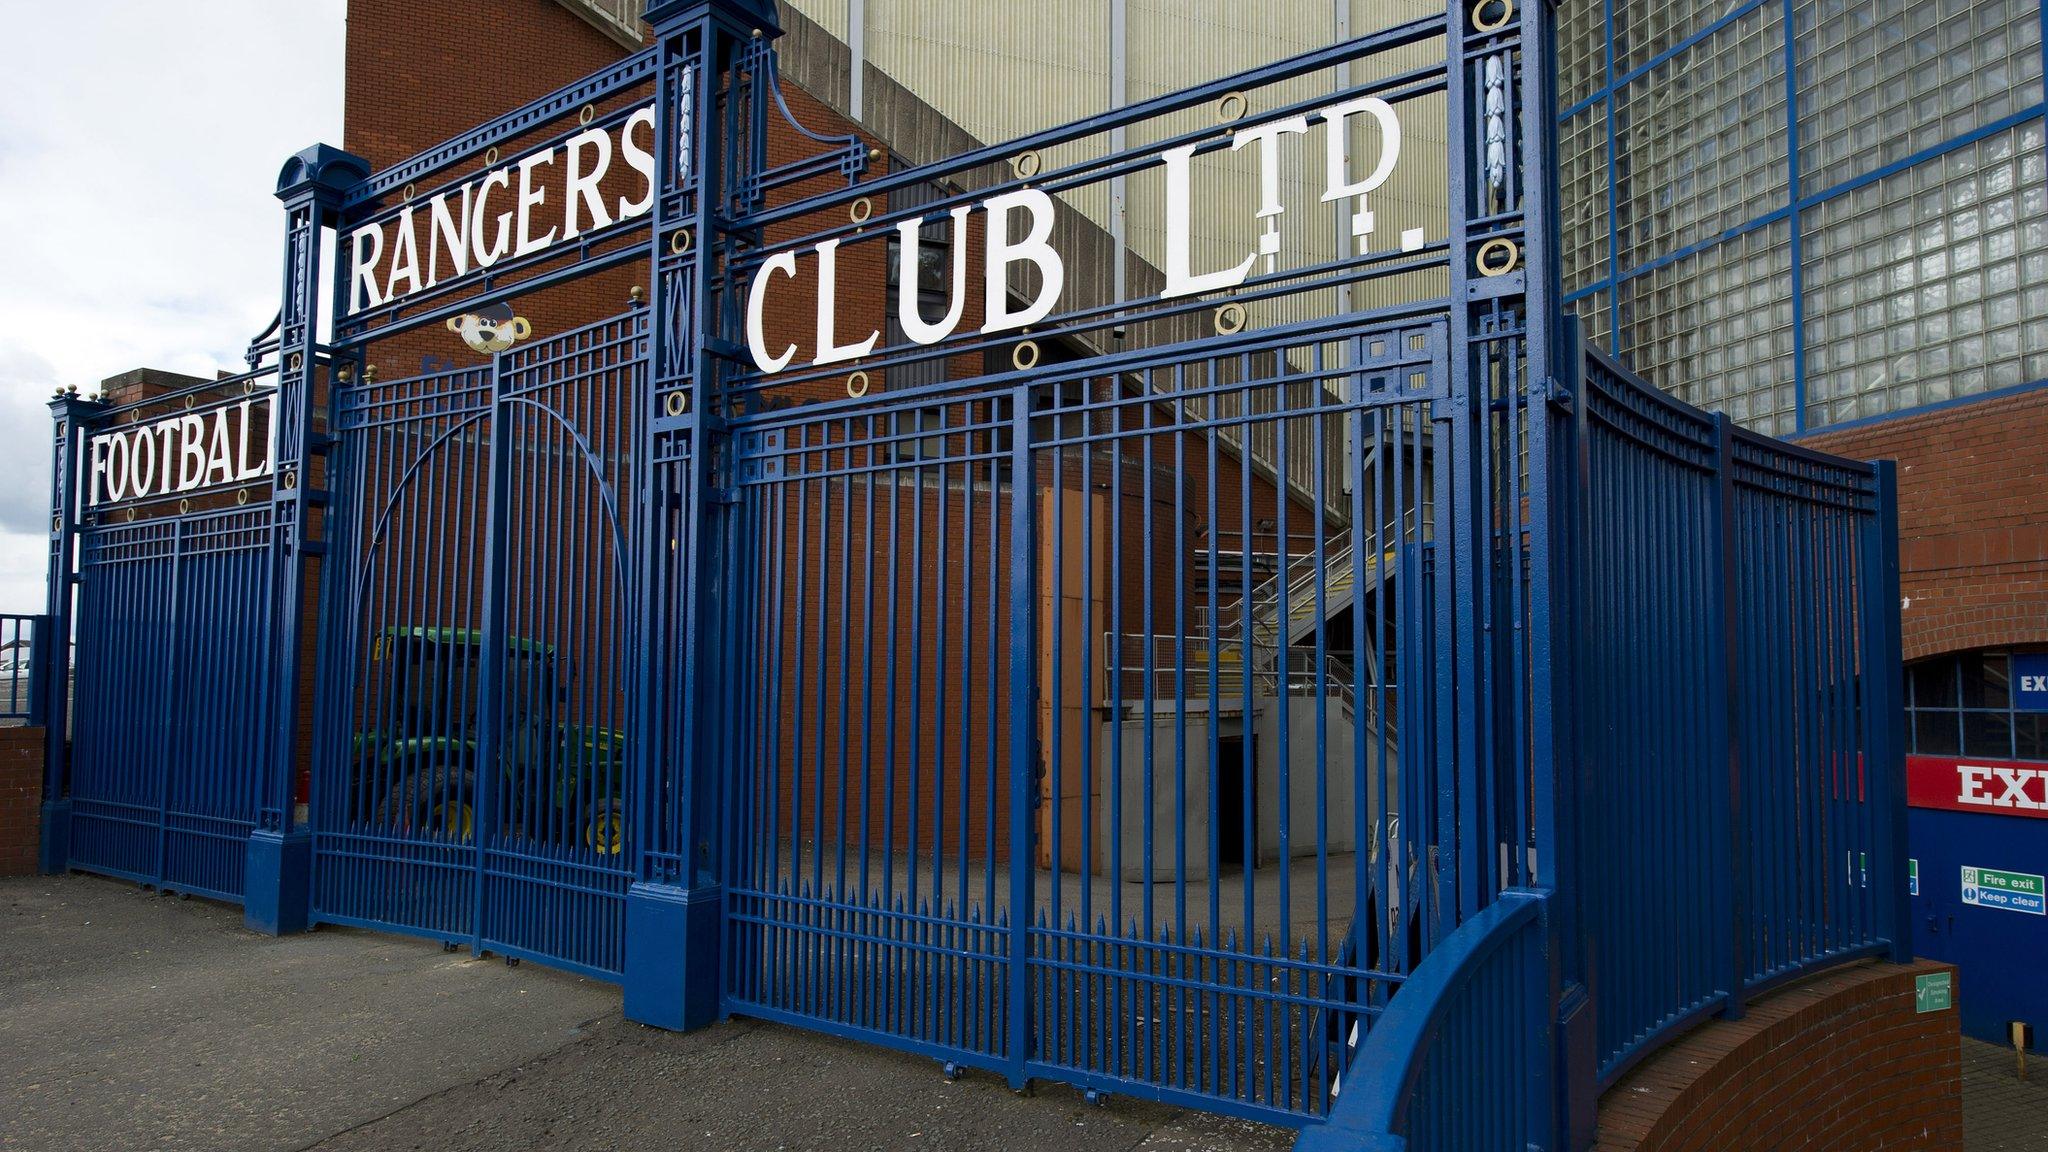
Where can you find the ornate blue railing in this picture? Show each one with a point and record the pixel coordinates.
(1730, 764)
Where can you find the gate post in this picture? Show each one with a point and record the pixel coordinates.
(279, 860)
(675, 910)
(52, 654)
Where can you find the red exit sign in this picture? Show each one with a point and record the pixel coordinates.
(2007, 787)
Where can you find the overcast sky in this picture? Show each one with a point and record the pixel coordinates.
(139, 147)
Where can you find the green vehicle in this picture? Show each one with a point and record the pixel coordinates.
(559, 784)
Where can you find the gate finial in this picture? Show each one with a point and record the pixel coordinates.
(322, 165)
(757, 14)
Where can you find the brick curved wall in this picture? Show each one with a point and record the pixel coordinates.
(1973, 545)
(1838, 1063)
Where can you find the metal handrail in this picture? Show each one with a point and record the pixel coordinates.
(24, 639)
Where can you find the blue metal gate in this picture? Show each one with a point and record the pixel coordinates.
(1001, 652)
(1161, 673)
(470, 779)
(174, 684)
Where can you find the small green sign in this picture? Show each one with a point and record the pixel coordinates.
(1912, 877)
(1934, 991)
(2012, 891)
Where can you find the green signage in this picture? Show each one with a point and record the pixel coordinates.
(1934, 991)
(2012, 891)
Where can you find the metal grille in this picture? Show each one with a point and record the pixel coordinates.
(476, 788)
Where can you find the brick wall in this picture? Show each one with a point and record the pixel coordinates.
(21, 796)
(1973, 544)
(1838, 1062)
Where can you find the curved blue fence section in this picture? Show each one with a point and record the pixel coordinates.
(1462, 1058)
(1729, 773)
(1737, 660)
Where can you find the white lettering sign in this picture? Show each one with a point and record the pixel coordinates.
(507, 211)
(181, 453)
(1018, 228)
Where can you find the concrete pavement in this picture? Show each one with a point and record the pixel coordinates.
(136, 1021)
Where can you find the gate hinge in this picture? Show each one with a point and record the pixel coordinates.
(725, 496)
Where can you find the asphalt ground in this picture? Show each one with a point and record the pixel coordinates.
(138, 1021)
(130, 1020)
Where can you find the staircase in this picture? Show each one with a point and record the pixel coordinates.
(618, 19)
(1163, 668)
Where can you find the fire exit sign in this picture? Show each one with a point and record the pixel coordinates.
(2030, 681)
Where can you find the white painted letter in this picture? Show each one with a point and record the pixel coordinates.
(1338, 184)
(191, 452)
(1180, 280)
(405, 259)
(1973, 779)
(640, 160)
(757, 340)
(529, 199)
(830, 352)
(104, 450)
(907, 276)
(220, 453)
(1002, 252)
(582, 185)
(1270, 207)
(442, 226)
(485, 257)
(363, 287)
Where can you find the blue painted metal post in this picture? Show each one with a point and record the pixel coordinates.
(1731, 884)
(675, 910)
(280, 854)
(1883, 673)
(52, 657)
(1559, 819)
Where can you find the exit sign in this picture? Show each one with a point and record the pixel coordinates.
(2030, 681)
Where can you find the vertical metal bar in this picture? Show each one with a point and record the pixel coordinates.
(1883, 645)
(1023, 655)
(1724, 696)
(490, 752)
(53, 660)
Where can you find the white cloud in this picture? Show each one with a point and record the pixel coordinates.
(139, 147)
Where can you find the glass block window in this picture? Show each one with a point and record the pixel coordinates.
(1645, 28)
(1701, 140)
(1715, 328)
(1930, 284)
(1582, 181)
(1880, 80)
(1594, 314)
(1962, 705)
(1581, 49)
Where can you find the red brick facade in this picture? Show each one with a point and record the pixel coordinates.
(1843, 1060)
(1973, 520)
(21, 798)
